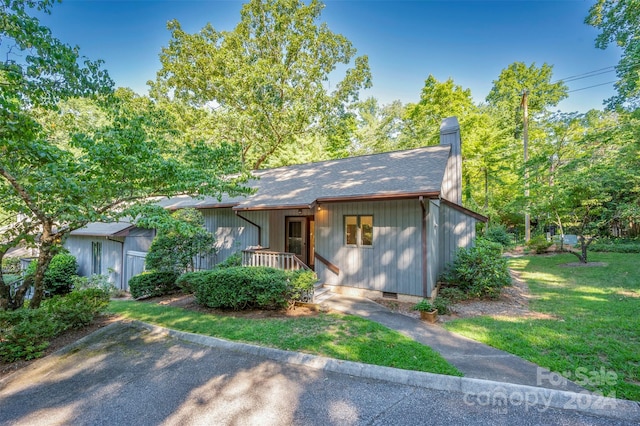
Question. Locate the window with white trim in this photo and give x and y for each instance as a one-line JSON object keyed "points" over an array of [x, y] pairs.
{"points": [[358, 230]]}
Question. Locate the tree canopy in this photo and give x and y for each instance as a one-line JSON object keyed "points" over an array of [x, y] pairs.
{"points": [[269, 79], [619, 23]]}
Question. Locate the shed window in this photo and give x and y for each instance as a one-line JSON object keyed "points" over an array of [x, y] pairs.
{"points": [[358, 230], [96, 257]]}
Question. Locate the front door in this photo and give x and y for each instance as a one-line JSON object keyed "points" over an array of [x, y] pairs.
{"points": [[296, 237]]}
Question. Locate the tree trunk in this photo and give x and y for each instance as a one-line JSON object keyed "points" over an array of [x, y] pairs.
{"points": [[44, 258]]}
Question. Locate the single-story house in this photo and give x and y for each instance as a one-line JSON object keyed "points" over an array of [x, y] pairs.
{"points": [[381, 224]]}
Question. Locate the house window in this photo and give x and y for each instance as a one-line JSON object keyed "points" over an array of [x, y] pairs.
{"points": [[96, 257], [358, 230]]}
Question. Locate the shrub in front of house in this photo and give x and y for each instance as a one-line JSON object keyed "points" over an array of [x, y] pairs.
{"points": [[153, 283], [25, 333], [240, 287], [301, 283], [479, 271], [59, 276], [234, 260]]}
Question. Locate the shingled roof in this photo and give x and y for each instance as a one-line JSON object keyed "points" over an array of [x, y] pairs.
{"points": [[397, 174]]}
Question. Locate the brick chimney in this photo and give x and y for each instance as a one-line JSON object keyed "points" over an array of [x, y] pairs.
{"points": [[452, 181]]}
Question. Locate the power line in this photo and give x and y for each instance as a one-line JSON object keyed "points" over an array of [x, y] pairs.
{"points": [[590, 87], [587, 74]]}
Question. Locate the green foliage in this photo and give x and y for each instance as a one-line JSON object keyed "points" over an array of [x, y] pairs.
{"points": [[268, 74], [234, 260], [619, 23], [423, 306], [77, 308], [539, 244], [616, 245], [100, 282], [152, 284], [241, 288], [441, 304], [301, 282], [498, 234], [480, 271], [11, 265], [60, 275], [180, 243], [25, 333], [437, 102], [452, 294]]}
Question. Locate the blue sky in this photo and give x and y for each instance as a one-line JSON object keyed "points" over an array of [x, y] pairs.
{"points": [[469, 41]]}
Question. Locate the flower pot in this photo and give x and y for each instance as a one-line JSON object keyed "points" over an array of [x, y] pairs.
{"points": [[430, 317]]}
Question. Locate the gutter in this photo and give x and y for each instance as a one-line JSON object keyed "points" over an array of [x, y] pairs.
{"points": [[425, 281], [254, 224]]}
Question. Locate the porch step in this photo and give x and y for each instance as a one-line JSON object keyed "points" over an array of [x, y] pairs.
{"points": [[321, 293]]}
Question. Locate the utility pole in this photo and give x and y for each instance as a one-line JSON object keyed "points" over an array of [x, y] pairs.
{"points": [[525, 134]]}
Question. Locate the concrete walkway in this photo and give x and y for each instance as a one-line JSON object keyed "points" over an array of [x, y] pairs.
{"points": [[472, 358]]}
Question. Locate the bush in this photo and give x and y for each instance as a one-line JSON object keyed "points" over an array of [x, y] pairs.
{"points": [[441, 304], [24, 333], [153, 283], [498, 234], [300, 284], [240, 288], [539, 244], [234, 260], [452, 294], [480, 271], [616, 245], [60, 274], [11, 265], [77, 308], [191, 280], [101, 282]]}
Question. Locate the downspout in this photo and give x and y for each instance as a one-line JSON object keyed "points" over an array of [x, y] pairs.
{"points": [[122, 266], [254, 224], [425, 280]]}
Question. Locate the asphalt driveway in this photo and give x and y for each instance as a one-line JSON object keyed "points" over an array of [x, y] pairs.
{"points": [[128, 374]]}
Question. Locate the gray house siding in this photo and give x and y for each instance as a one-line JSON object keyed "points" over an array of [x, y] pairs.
{"points": [[434, 253], [81, 247], [457, 230], [392, 264], [232, 233]]}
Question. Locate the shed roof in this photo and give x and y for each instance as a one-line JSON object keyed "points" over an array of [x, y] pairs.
{"points": [[99, 229], [395, 174]]}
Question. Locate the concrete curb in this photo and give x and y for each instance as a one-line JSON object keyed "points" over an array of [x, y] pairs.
{"points": [[495, 395]]}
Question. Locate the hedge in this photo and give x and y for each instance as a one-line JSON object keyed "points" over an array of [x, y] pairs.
{"points": [[240, 287], [153, 283]]}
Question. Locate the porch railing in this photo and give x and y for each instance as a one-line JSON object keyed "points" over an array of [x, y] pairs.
{"points": [[273, 259]]}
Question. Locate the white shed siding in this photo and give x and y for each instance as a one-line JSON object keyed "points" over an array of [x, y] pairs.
{"points": [[80, 247], [392, 264]]}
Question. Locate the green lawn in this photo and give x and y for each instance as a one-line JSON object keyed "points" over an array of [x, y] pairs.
{"points": [[595, 336], [333, 335]]}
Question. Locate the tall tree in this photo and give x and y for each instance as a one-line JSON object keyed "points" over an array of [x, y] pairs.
{"points": [[268, 78], [619, 23], [438, 100], [98, 168]]}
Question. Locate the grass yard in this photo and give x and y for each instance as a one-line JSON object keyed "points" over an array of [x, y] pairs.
{"points": [[594, 338], [333, 335]]}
